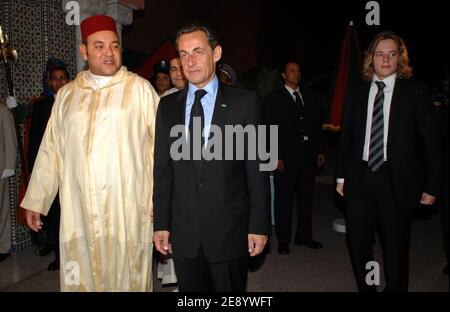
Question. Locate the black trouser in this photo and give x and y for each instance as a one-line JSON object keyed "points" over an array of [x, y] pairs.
{"points": [[296, 182], [444, 208], [374, 207], [200, 275]]}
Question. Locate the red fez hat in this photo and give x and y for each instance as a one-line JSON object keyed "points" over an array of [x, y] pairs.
{"points": [[96, 23]]}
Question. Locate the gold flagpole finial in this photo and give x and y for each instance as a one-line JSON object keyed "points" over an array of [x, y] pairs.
{"points": [[7, 53]]}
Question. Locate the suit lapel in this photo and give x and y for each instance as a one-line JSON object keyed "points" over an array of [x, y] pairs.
{"points": [[395, 110]]}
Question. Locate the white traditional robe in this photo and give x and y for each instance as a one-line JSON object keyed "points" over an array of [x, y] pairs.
{"points": [[98, 150]]}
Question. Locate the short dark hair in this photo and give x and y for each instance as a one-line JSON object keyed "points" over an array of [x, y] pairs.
{"points": [[289, 61], [61, 68], [195, 26]]}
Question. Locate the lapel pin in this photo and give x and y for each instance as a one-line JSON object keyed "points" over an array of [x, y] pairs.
{"points": [[224, 105]]}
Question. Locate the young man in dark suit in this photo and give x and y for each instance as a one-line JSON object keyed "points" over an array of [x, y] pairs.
{"points": [[389, 161], [211, 213], [297, 115]]}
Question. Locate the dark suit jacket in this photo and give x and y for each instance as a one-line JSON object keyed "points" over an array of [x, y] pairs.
{"points": [[228, 200], [281, 110], [42, 110], [39, 119], [414, 156]]}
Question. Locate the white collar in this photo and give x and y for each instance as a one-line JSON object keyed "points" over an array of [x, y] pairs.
{"points": [[97, 81], [291, 91], [389, 81]]}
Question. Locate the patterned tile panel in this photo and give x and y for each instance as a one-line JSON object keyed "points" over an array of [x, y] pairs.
{"points": [[37, 30]]}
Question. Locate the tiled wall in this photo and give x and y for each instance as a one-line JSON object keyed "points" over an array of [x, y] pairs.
{"points": [[37, 30]]}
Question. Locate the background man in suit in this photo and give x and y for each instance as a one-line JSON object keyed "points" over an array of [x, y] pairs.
{"points": [[58, 77], [297, 116], [389, 160], [166, 267], [214, 212]]}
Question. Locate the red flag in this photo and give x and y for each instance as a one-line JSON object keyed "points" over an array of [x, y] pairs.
{"points": [[348, 70], [166, 52]]}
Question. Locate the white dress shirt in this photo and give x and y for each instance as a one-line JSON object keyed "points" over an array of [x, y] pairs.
{"points": [[388, 90], [291, 91]]}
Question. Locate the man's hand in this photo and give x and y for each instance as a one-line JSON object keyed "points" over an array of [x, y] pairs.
{"points": [[256, 244], [161, 241], [427, 199], [280, 165], [340, 189], [33, 220], [320, 160]]}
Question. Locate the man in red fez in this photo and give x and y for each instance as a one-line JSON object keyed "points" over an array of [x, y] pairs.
{"points": [[97, 151]]}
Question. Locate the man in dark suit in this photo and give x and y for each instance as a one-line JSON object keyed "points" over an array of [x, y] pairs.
{"points": [[297, 116], [211, 213], [389, 161]]}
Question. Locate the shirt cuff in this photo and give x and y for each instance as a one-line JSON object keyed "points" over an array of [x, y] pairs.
{"points": [[340, 180]]}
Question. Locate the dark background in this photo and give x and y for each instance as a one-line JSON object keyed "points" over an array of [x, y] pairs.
{"points": [[257, 33]]}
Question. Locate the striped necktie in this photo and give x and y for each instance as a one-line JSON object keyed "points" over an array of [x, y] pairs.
{"points": [[376, 147]]}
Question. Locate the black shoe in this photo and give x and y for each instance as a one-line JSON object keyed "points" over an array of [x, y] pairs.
{"points": [[309, 243], [283, 249], [53, 266], [445, 271], [46, 250], [4, 256]]}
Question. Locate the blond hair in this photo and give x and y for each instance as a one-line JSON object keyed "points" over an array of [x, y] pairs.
{"points": [[403, 68]]}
